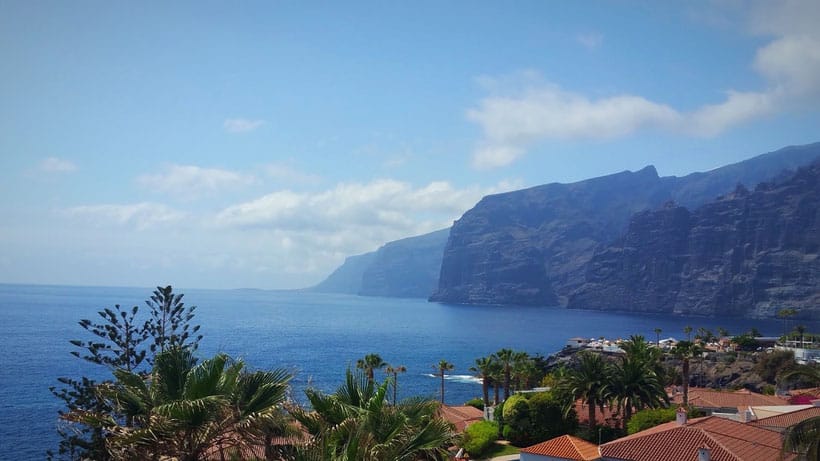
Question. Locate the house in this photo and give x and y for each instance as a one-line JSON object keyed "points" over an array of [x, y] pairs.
{"points": [[701, 439], [729, 404], [563, 448], [460, 416], [784, 421]]}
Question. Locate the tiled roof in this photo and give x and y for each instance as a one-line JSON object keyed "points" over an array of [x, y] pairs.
{"points": [[727, 440], [565, 447], [461, 416], [742, 399], [786, 420]]}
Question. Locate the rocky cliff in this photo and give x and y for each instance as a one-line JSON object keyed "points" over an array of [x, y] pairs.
{"points": [[745, 254], [532, 246], [406, 268], [347, 278]]}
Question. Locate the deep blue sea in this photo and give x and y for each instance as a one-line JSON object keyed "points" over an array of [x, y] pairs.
{"points": [[314, 335]]}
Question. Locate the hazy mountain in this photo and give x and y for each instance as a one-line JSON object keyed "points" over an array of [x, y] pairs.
{"points": [[406, 268]]}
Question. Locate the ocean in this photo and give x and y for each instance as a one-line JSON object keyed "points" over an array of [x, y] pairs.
{"points": [[316, 336]]}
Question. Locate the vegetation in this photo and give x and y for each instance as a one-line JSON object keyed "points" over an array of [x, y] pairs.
{"points": [[184, 410], [479, 438], [769, 366], [391, 370], [804, 439], [589, 382], [483, 369], [475, 403], [356, 423], [369, 364], [636, 381], [534, 418], [443, 366], [685, 351], [648, 418], [120, 341]]}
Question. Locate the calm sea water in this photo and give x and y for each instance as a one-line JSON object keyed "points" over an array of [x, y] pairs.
{"points": [[315, 335]]}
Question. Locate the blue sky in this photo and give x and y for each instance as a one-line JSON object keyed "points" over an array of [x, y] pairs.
{"points": [[256, 144]]}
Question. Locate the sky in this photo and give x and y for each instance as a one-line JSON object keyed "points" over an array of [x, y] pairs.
{"points": [[257, 144]]}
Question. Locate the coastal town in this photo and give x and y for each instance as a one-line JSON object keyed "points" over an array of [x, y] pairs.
{"points": [[702, 423]]}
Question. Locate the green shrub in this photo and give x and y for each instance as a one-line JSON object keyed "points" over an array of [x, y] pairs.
{"points": [[479, 437], [476, 403], [645, 419], [547, 419]]}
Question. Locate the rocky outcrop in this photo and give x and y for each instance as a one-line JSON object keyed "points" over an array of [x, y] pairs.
{"points": [[532, 246], [746, 254]]}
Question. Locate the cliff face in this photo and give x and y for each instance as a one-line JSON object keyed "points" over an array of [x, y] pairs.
{"points": [[746, 254], [406, 268], [528, 247], [532, 246], [347, 278]]}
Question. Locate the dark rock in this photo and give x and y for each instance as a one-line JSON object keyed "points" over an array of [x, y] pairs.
{"points": [[747, 254], [533, 246], [406, 268]]}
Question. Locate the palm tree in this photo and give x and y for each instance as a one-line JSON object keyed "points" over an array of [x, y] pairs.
{"points": [[443, 366], [687, 330], [506, 358], [722, 332], [183, 410], [590, 382], [395, 372], [369, 363], [808, 373], [785, 314], [523, 369], [801, 330], [483, 369], [685, 350], [635, 385], [658, 336], [356, 423], [804, 439]]}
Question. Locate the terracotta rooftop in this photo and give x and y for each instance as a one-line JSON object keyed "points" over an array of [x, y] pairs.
{"points": [[787, 420], [566, 447], [742, 399], [727, 440], [461, 416]]}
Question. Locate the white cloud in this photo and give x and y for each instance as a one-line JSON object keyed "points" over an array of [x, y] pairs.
{"points": [[190, 181], [353, 217], [140, 216], [590, 40], [57, 165], [241, 125], [513, 119]]}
